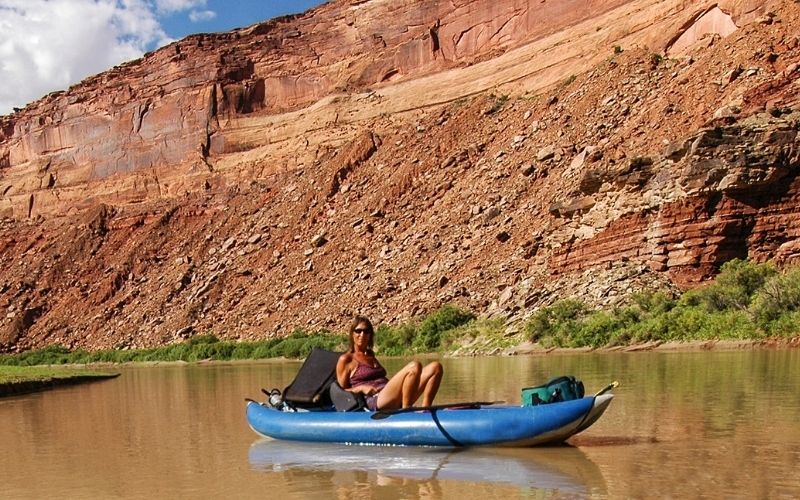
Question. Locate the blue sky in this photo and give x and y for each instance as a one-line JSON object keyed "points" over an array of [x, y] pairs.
{"points": [[48, 45], [230, 14]]}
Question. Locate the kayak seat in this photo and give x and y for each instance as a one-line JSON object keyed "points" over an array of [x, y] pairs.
{"points": [[345, 400], [310, 387]]}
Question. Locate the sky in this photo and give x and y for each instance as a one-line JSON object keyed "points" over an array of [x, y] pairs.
{"points": [[48, 45]]}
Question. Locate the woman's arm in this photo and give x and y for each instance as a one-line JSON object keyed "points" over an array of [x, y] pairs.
{"points": [[364, 389], [343, 370]]}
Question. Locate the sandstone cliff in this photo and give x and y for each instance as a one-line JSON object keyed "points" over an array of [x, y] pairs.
{"points": [[386, 157]]}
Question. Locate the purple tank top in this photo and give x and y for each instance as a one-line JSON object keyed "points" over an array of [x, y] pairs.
{"points": [[368, 375]]}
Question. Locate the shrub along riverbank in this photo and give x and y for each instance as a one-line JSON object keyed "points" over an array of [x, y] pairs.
{"points": [[426, 335], [747, 301]]}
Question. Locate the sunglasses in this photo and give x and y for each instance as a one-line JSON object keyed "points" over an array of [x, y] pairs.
{"points": [[361, 330]]}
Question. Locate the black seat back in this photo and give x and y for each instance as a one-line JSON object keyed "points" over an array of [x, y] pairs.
{"points": [[310, 386]]}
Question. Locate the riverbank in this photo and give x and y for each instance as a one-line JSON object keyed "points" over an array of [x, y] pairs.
{"points": [[748, 305], [16, 380], [528, 348]]}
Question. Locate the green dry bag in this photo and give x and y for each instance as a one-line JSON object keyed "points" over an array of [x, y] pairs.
{"points": [[562, 388]]}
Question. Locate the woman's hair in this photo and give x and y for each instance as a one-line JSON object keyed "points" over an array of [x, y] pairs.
{"points": [[361, 320]]}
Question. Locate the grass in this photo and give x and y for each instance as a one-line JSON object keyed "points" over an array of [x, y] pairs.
{"points": [[17, 374], [498, 102], [16, 380]]}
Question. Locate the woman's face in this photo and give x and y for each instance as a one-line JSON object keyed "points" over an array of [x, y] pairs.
{"points": [[362, 337]]}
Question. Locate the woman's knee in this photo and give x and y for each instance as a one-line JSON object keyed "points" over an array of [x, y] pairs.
{"points": [[435, 368], [413, 368]]}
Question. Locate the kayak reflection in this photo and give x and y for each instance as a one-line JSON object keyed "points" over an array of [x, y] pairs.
{"points": [[563, 468]]}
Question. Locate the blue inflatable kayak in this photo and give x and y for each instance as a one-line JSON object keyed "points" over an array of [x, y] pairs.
{"points": [[500, 425]]}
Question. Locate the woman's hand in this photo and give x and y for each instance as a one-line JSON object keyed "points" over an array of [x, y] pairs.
{"points": [[366, 390]]}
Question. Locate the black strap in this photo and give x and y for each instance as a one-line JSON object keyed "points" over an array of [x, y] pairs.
{"points": [[444, 432]]}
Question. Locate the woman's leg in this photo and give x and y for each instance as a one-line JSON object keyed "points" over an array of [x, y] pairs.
{"points": [[429, 382], [402, 389], [411, 382]]}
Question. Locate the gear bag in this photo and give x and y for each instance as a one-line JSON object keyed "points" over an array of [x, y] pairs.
{"points": [[346, 400], [562, 388]]}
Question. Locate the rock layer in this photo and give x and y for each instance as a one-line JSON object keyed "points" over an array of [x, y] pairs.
{"points": [[158, 126], [719, 191]]}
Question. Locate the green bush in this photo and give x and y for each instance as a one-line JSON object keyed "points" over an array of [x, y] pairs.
{"points": [[687, 323], [786, 325], [489, 329], [732, 324], [653, 302], [397, 340], [552, 322], [429, 333], [649, 329], [420, 336], [243, 350], [735, 286], [747, 300], [211, 350], [261, 351], [52, 355], [779, 296], [297, 345], [596, 330], [744, 276], [291, 348]]}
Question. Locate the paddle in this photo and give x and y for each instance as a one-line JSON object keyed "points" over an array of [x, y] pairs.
{"points": [[607, 388], [381, 414]]}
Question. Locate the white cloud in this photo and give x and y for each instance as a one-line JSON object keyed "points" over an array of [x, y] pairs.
{"points": [[168, 6], [197, 16], [48, 45]]}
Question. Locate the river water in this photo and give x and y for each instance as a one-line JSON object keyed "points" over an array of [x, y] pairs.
{"points": [[682, 425]]}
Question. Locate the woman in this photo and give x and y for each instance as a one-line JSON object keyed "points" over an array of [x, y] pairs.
{"points": [[359, 371]]}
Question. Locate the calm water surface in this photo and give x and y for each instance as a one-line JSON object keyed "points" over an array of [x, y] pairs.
{"points": [[683, 425]]}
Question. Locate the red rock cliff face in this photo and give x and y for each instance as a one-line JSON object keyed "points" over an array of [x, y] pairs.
{"points": [[169, 110], [736, 189], [389, 157], [167, 117]]}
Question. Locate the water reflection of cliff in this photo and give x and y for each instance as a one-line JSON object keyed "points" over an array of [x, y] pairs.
{"points": [[564, 469]]}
